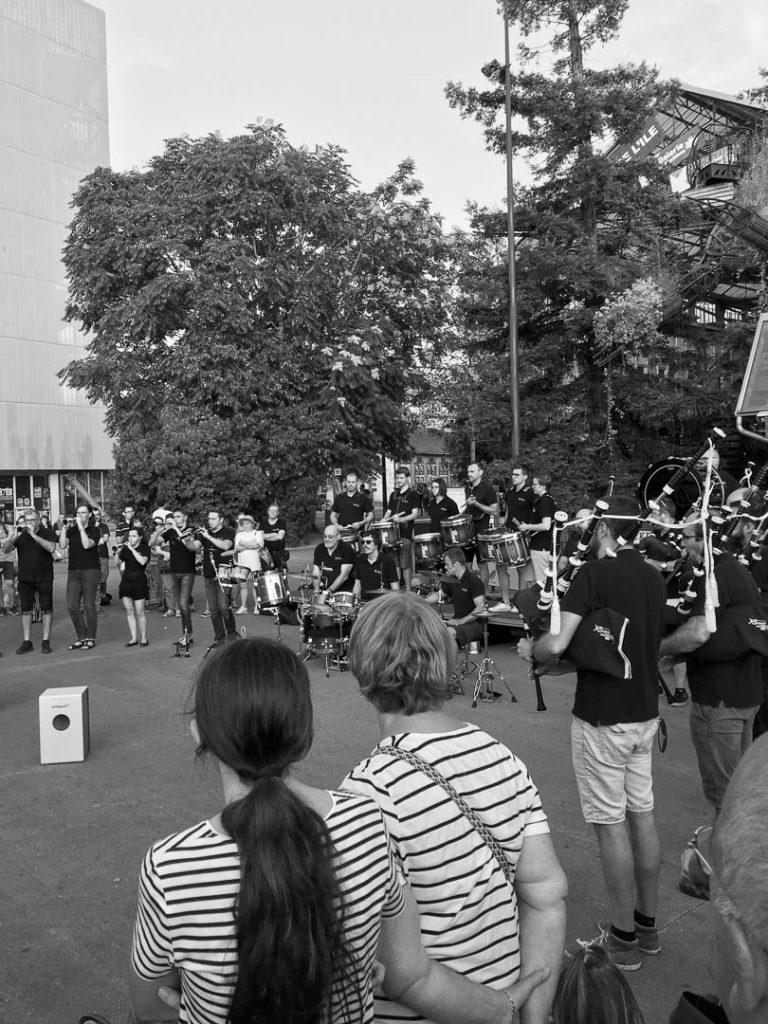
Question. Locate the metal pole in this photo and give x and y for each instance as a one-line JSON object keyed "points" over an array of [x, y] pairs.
{"points": [[514, 380]]}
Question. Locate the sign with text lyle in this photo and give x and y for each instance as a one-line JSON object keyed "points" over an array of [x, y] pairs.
{"points": [[754, 391], [648, 138]]}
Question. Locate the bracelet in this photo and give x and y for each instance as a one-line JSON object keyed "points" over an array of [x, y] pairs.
{"points": [[512, 1005]]}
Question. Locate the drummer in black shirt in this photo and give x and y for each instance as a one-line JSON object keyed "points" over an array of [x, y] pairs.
{"points": [[519, 500], [333, 562], [352, 507], [374, 570], [482, 503], [440, 506], [467, 592], [403, 508]]}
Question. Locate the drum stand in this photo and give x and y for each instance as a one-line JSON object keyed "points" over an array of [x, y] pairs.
{"points": [[487, 673], [338, 659], [181, 646], [274, 610]]}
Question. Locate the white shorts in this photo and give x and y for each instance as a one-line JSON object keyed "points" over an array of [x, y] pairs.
{"points": [[612, 764]]}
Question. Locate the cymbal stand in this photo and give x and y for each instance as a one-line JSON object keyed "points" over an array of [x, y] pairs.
{"points": [[487, 673]]}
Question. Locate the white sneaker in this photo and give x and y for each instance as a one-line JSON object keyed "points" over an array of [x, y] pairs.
{"points": [[242, 611], [501, 607]]}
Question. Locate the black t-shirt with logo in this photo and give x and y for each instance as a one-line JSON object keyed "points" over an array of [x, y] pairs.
{"points": [[352, 508], [486, 495], [519, 506], [35, 563], [544, 508], [630, 587], [441, 509], [80, 558], [376, 576], [403, 503], [182, 560], [330, 562], [212, 554], [463, 593]]}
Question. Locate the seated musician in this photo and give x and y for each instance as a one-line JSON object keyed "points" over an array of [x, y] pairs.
{"points": [[332, 563], [440, 506], [375, 570], [467, 593]]}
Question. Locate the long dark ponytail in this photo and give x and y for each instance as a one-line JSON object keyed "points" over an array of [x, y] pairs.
{"points": [[254, 714]]}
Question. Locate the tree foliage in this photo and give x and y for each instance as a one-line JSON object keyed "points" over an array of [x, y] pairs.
{"points": [[255, 317], [588, 230]]}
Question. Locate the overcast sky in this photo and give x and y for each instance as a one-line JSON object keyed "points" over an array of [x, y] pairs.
{"points": [[369, 76]]}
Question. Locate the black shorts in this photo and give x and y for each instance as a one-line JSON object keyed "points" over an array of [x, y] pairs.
{"points": [[27, 593]]}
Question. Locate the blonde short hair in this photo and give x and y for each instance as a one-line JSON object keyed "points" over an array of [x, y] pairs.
{"points": [[402, 654]]}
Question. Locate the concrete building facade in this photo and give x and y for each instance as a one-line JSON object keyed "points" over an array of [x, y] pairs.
{"points": [[54, 130]]}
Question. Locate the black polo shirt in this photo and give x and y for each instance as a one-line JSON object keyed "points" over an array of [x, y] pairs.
{"points": [[403, 503], [212, 554], [377, 575], [441, 508], [35, 563], [627, 585], [330, 562], [519, 505], [182, 560], [736, 683], [352, 508], [463, 593], [486, 495]]}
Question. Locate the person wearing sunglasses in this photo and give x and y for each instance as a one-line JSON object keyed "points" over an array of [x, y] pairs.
{"points": [[375, 570]]}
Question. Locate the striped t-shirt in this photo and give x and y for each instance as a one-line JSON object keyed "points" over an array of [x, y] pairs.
{"points": [[468, 910], [188, 886]]}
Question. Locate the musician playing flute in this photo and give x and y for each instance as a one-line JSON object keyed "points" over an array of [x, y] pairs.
{"points": [[613, 729], [725, 695]]}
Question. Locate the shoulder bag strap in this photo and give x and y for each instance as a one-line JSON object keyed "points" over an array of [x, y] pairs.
{"points": [[479, 826]]}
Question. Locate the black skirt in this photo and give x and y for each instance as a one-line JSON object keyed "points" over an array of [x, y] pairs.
{"points": [[134, 586]]}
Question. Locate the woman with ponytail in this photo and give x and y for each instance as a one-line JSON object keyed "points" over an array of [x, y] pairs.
{"points": [[273, 911]]}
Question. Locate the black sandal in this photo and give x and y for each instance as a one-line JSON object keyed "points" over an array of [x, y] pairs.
{"points": [[78, 645], [89, 644]]}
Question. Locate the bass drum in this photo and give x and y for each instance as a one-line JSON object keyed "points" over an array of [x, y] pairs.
{"points": [[689, 491]]}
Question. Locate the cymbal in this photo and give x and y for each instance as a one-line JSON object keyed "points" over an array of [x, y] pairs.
{"points": [[299, 576], [381, 590]]}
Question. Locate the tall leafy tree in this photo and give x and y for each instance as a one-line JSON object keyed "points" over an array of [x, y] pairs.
{"points": [[255, 317], [588, 230]]}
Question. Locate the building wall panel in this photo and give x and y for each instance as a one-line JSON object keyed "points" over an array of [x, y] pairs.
{"points": [[51, 437]]}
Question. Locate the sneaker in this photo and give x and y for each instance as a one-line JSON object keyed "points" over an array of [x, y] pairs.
{"points": [[679, 698], [45, 647], [25, 647], [169, 615], [648, 938], [624, 955], [178, 614], [205, 615], [242, 611], [185, 640], [501, 607]]}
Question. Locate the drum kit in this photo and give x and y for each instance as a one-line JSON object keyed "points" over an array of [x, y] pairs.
{"points": [[270, 587], [331, 615]]}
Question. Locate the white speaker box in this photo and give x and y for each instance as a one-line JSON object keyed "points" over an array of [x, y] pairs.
{"points": [[65, 733]]}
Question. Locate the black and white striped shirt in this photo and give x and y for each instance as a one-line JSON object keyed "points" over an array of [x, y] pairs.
{"points": [[468, 910], [189, 883]]}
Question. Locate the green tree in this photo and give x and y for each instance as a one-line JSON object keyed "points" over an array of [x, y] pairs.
{"points": [[588, 229], [255, 317]]}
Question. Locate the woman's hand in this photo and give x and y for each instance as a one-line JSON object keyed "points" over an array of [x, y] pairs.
{"points": [[519, 993]]}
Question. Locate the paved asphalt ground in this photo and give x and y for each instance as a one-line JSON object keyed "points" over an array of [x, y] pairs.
{"points": [[72, 835]]}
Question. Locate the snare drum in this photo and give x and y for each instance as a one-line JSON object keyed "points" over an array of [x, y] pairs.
{"points": [[486, 544], [239, 573], [224, 574], [322, 617], [513, 549], [344, 604], [388, 534], [427, 549], [458, 531], [271, 589], [349, 535]]}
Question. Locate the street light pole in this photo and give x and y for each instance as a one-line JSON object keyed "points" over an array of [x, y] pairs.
{"points": [[514, 380]]}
